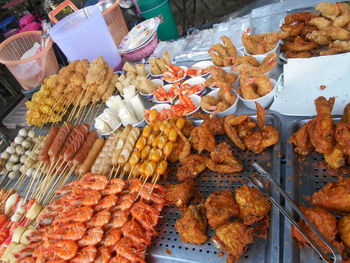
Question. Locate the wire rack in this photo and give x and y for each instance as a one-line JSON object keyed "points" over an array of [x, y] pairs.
{"points": [[304, 178], [167, 246]]}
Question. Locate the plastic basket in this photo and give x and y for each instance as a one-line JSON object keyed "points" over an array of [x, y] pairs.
{"points": [[115, 22], [29, 72]]}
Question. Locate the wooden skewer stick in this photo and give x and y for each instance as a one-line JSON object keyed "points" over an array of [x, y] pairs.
{"points": [[88, 112], [139, 192], [111, 173], [154, 183], [97, 111], [130, 173]]}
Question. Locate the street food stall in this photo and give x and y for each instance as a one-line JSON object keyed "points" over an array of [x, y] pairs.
{"points": [[228, 145]]}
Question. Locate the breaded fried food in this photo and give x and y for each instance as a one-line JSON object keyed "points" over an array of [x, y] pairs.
{"points": [[319, 37], [215, 124], [304, 17], [343, 46], [191, 167], [334, 196], [253, 205], [344, 230], [323, 128], [336, 158], [234, 239], [222, 160], [328, 10], [301, 140], [296, 54], [320, 22], [221, 207], [342, 131], [181, 194], [202, 139], [192, 226], [299, 44], [293, 30], [325, 222]]}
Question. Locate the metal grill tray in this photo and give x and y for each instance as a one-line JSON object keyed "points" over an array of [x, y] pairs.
{"points": [[167, 246], [303, 179]]}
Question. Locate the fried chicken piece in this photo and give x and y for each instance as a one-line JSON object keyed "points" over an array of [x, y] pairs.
{"points": [[334, 196], [192, 227], [319, 38], [299, 44], [342, 131], [304, 17], [187, 129], [222, 160], [253, 205], [293, 30], [266, 136], [325, 222], [344, 230], [221, 207], [202, 139], [97, 71], [215, 124], [322, 128], [336, 33], [331, 51], [336, 158], [342, 46], [328, 10], [181, 194], [234, 239], [301, 140], [320, 22], [191, 167], [237, 127]]}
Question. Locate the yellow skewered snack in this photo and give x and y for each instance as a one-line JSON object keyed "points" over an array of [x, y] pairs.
{"points": [[79, 83]]}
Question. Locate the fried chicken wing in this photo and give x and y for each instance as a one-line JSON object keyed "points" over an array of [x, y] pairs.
{"points": [[191, 167], [222, 160], [322, 129], [344, 230], [202, 139], [336, 158], [301, 140], [221, 207], [253, 205], [193, 224], [181, 194], [234, 239], [334, 196], [325, 222]]}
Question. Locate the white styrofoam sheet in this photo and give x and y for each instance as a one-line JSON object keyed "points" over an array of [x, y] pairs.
{"points": [[302, 81]]}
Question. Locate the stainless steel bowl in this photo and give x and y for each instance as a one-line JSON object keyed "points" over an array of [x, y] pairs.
{"points": [[105, 4]]}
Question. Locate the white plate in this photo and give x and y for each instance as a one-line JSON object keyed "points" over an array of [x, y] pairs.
{"points": [[196, 101], [230, 110], [185, 69]]}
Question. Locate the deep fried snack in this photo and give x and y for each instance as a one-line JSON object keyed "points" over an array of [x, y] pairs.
{"points": [[230, 47], [202, 139], [221, 207], [328, 10], [299, 44], [320, 22], [187, 129], [261, 43], [336, 158], [181, 194], [222, 160], [296, 54], [331, 51], [192, 227], [304, 17], [323, 128], [215, 124], [191, 167], [342, 46], [234, 239], [253, 205], [308, 29], [342, 131], [301, 140], [344, 230], [336, 33], [326, 224], [230, 124], [319, 37], [293, 30], [334, 196]]}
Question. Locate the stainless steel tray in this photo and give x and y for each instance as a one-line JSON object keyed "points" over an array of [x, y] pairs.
{"points": [[302, 180], [167, 246]]}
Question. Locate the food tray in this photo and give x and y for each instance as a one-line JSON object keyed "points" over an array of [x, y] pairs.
{"points": [[302, 180], [167, 246]]}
